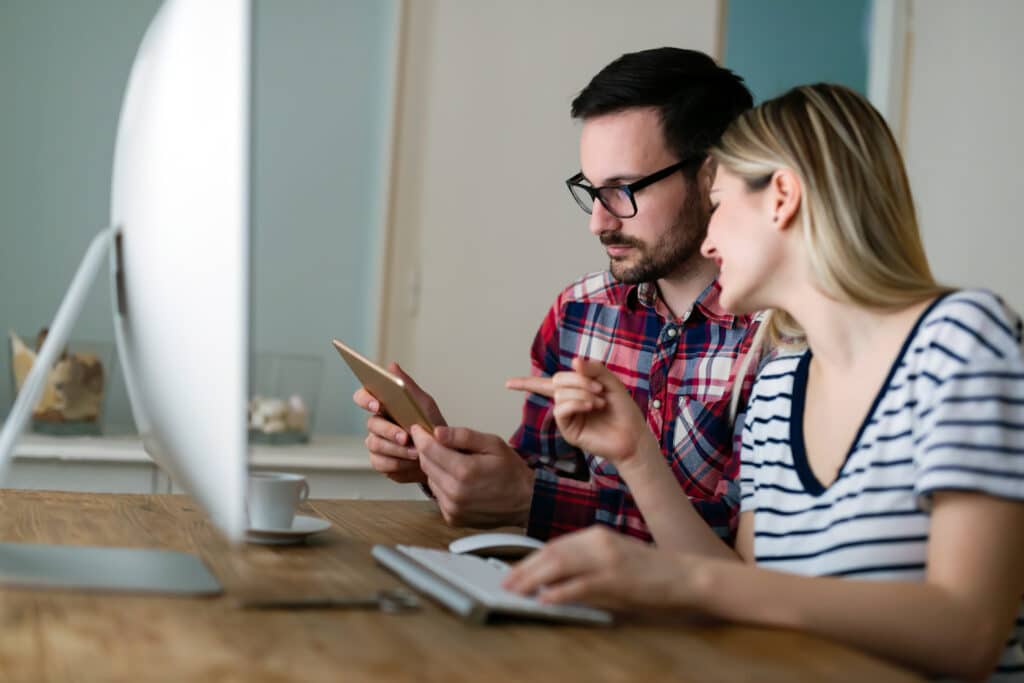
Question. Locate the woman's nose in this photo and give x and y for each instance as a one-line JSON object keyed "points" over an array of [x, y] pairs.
{"points": [[707, 249]]}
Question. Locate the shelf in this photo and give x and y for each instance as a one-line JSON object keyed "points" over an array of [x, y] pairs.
{"points": [[328, 452]]}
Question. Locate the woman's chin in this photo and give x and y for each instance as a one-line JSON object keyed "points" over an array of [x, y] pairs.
{"points": [[736, 302]]}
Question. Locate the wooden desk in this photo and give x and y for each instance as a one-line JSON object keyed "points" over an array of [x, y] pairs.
{"points": [[52, 635]]}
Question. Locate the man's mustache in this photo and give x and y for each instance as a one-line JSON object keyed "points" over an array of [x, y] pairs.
{"points": [[611, 239]]}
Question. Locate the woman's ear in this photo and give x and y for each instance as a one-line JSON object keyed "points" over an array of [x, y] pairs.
{"points": [[785, 193]]}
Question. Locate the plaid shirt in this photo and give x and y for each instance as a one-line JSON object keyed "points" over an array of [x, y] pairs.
{"points": [[679, 371]]}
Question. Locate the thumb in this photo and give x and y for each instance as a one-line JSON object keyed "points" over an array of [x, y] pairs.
{"points": [[597, 371], [432, 450], [590, 368], [409, 382], [468, 440], [422, 440]]}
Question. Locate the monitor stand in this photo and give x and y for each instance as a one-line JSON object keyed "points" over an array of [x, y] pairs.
{"points": [[84, 567], [134, 570]]}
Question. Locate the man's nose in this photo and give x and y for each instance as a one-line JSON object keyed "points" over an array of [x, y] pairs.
{"points": [[601, 220]]}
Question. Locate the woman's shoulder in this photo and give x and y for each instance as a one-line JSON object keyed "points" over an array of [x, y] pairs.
{"points": [[971, 323], [780, 362], [775, 375]]}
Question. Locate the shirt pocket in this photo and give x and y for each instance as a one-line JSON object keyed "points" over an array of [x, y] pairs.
{"points": [[713, 380], [702, 447]]}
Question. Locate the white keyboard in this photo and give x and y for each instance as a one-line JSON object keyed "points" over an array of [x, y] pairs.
{"points": [[477, 579]]}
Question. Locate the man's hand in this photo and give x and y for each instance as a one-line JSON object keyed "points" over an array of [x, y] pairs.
{"points": [[391, 451], [478, 479]]}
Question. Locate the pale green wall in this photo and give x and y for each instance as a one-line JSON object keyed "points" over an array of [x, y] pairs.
{"points": [[321, 90], [777, 44], [322, 83]]}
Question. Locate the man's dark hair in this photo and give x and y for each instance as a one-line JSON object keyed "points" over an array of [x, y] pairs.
{"points": [[697, 99]]}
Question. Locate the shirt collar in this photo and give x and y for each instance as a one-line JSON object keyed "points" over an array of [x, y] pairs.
{"points": [[646, 294]]}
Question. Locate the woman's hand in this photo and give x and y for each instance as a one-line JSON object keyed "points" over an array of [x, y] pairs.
{"points": [[593, 410], [600, 567]]}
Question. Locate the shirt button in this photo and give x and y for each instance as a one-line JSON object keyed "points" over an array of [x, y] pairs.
{"points": [[671, 332], [656, 403]]}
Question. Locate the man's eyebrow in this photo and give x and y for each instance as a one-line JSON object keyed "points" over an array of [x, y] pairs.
{"points": [[624, 179]]}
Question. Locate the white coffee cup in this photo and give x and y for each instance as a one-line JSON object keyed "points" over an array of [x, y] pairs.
{"points": [[274, 497]]}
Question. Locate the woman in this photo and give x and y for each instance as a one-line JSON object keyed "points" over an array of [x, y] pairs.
{"points": [[882, 469]]}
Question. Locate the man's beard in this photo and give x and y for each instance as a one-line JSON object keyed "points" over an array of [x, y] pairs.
{"points": [[672, 252]]}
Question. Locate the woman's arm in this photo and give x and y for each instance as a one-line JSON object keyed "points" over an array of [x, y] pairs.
{"points": [[670, 516], [595, 413], [954, 623]]}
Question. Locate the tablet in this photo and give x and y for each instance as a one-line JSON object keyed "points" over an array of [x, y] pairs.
{"points": [[397, 403]]}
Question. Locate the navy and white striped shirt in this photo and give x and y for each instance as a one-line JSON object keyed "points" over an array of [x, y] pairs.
{"points": [[950, 416]]}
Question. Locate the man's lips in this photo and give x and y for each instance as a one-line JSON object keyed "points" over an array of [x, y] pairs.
{"points": [[617, 246]]}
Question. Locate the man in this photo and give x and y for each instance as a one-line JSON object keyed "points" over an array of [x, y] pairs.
{"points": [[654, 319]]}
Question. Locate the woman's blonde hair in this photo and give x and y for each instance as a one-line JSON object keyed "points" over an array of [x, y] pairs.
{"points": [[856, 212]]}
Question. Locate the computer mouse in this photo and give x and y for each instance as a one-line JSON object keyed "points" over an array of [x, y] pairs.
{"points": [[495, 545]]}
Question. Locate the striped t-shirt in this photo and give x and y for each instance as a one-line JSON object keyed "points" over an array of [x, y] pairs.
{"points": [[950, 416]]}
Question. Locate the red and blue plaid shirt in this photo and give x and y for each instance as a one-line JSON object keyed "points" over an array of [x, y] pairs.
{"points": [[680, 371]]}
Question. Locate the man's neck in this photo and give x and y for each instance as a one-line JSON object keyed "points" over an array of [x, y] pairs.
{"points": [[679, 291]]}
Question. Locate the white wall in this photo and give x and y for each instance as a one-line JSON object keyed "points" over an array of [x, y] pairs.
{"points": [[964, 141], [482, 225]]}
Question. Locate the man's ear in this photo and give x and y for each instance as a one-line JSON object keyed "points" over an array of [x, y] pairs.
{"points": [[786, 193], [706, 176]]}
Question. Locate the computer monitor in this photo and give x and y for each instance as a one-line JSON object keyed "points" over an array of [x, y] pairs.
{"points": [[178, 248], [180, 198]]}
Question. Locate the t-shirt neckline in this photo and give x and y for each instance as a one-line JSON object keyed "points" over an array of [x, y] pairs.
{"points": [[797, 445]]}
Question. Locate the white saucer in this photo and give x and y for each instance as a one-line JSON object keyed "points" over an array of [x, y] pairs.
{"points": [[302, 527]]}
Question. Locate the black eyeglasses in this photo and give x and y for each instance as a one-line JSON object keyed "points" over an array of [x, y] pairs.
{"points": [[619, 200]]}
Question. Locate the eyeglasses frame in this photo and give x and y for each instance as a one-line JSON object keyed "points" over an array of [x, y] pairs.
{"points": [[630, 189]]}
